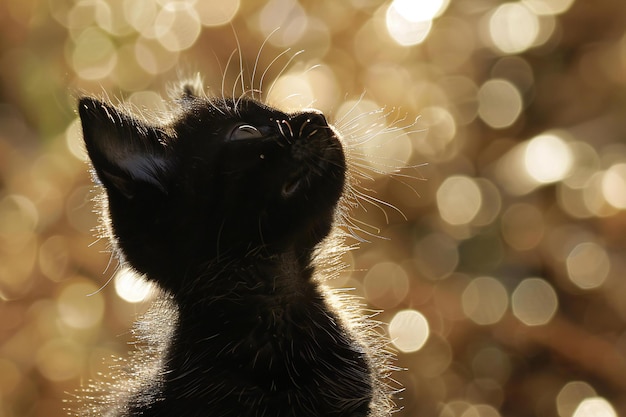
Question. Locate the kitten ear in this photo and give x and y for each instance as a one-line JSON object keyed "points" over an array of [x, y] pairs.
{"points": [[126, 153]]}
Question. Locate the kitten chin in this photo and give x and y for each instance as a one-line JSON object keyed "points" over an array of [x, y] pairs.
{"points": [[230, 208]]}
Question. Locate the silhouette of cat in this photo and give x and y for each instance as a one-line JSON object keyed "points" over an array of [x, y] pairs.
{"points": [[229, 207]]}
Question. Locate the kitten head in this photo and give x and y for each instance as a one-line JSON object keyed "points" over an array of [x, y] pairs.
{"points": [[224, 178]]}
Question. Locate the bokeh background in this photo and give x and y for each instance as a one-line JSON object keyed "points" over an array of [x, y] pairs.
{"points": [[494, 131]]}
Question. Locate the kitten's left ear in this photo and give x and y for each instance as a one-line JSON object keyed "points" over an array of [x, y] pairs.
{"points": [[126, 153]]}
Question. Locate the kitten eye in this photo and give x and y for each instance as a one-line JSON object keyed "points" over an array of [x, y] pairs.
{"points": [[245, 132]]}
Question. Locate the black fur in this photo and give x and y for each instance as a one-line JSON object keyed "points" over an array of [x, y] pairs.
{"points": [[225, 207]]}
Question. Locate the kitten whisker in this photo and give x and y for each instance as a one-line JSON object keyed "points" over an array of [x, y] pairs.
{"points": [[256, 62], [289, 127], [354, 106], [224, 76], [282, 71], [306, 122], [268, 68]]}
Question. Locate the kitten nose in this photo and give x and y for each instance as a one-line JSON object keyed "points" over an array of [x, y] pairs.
{"points": [[312, 118]]}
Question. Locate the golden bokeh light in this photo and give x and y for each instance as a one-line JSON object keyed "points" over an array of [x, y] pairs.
{"points": [[80, 305], [459, 199], [419, 11], [177, 26], [571, 395], [217, 12], [548, 158], [513, 28], [614, 185], [94, 56], [485, 300], [486, 139], [595, 407], [588, 265], [534, 302], [405, 31], [409, 330], [386, 285], [131, 287], [499, 103], [548, 7]]}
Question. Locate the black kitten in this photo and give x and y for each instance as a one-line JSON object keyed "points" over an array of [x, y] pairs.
{"points": [[227, 207]]}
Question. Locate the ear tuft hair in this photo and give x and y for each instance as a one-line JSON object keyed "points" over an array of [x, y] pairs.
{"points": [[191, 89]]}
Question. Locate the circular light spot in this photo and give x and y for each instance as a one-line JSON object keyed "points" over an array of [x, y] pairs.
{"points": [[458, 200], [548, 7], [289, 16], [291, 92], [141, 15], [420, 11], [588, 265], [386, 284], [60, 359], [534, 302], [409, 330], [132, 287], [571, 395], [491, 203], [548, 158], [440, 129], [217, 12], [485, 300], [94, 55], [499, 103], [404, 31], [74, 140], [513, 28], [177, 26], [80, 305], [614, 186], [595, 407], [153, 58], [481, 410]]}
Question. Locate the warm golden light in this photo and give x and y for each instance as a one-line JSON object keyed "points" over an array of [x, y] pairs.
{"points": [[404, 31], [595, 407], [548, 158], [548, 7], [458, 199], [571, 395], [513, 28], [495, 127], [614, 185], [588, 265], [534, 302], [420, 11], [409, 330], [499, 103], [81, 305], [386, 284], [485, 300], [131, 287]]}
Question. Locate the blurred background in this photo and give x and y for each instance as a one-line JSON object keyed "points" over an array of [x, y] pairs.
{"points": [[496, 130]]}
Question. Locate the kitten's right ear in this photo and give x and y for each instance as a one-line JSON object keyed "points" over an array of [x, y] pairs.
{"points": [[126, 153]]}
